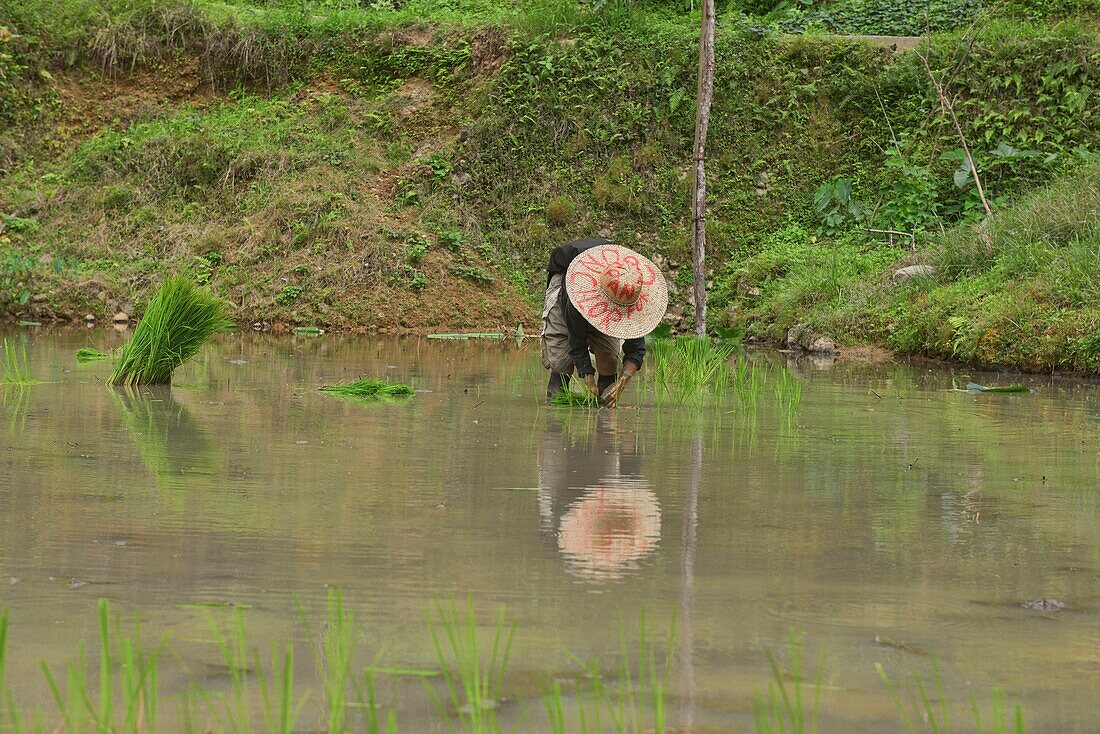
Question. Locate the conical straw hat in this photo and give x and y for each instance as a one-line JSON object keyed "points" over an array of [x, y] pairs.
{"points": [[621, 293]]}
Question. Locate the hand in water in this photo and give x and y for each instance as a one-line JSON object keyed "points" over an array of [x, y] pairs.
{"points": [[590, 381], [614, 391]]}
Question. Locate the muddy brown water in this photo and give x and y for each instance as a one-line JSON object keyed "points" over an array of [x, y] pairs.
{"points": [[892, 529]]}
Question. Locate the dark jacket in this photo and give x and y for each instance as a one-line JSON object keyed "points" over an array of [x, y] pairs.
{"points": [[579, 328]]}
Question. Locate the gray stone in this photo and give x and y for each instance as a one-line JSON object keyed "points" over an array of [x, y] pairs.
{"points": [[1044, 605], [90, 317], [121, 317], [904, 275], [804, 338]]}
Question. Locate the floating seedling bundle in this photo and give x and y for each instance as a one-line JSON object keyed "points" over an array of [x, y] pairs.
{"points": [[86, 354], [370, 389], [181, 318]]}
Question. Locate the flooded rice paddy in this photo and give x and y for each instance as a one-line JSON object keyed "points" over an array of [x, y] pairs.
{"points": [[880, 516]]}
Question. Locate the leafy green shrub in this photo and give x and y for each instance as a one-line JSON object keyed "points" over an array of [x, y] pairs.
{"points": [[910, 199], [884, 17], [440, 167], [452, 240], [288, 295], [16, 270], [418, 247], [202, 270], [18, 225], [1038, 10], [471, 272], [833, 200]]}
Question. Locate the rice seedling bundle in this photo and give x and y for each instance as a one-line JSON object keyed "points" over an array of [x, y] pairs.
{"points": [[571, 398], [575, 395], [180, 320], [370, 389]]}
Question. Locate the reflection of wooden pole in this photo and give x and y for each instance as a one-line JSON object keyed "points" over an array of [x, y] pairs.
{"points": [[687, 589], [704, 95]]}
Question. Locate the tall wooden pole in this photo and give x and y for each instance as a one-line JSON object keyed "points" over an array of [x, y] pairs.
{"points": [[704, 95]]}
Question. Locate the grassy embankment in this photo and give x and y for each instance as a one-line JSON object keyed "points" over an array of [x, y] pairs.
{"points": [[411, 168], [1022, 291]]}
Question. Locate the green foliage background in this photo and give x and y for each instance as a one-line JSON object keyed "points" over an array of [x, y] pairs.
{"points": [[571, 119]]}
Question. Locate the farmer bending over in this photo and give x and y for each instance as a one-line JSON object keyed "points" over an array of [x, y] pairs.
{"points": [[604, 297]]}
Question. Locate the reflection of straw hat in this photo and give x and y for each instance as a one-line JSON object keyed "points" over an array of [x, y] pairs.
{"points": [[618, 291], [608, 530]]}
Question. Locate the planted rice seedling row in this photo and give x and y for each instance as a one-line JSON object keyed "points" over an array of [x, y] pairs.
{"points": [[694, 369], [14, 369], [86, 354], [262, 692]]}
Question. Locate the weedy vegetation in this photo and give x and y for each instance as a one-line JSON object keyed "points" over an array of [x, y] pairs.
{"points": [[339, 95], [180, 319]]}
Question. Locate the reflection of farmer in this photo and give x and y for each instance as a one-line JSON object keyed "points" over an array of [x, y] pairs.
{"points": [[602, 297], [593, 501]]}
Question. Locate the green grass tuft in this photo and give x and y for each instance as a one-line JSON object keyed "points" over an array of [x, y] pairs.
{"points": [[370, 389], [85, 355], [180, 320]]}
